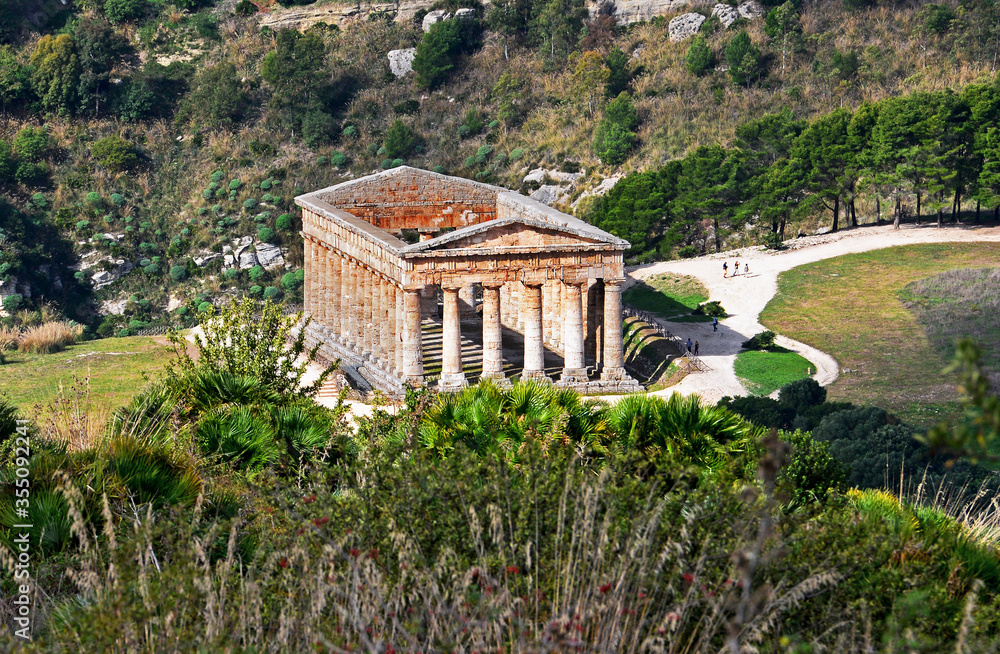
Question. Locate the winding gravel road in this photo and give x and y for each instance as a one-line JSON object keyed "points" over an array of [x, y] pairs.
{"points": [[745, 296]]}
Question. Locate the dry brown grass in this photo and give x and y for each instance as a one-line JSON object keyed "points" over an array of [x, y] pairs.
{"points": [[9, 336], [48, 337]]}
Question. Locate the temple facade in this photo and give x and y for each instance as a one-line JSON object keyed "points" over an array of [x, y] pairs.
{"points": [[475, 256]]}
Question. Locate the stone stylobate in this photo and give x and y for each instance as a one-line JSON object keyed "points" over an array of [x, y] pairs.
{"points": [[552, 277]]}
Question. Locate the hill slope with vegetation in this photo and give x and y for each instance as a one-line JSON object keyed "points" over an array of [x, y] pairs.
{"points": [[142, 142]]}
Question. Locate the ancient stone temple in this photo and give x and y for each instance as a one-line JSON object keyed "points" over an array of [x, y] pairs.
{"points": [[406, 252]]}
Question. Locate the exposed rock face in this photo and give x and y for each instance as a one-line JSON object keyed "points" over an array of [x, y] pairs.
{"points": [[751, 10], [105, 277], [401, 61], [727, 15], [685, 26], [204, 258], [606, 185], [269, 256], [549, 194], [435, 16], [539, 175], [633, 11]]}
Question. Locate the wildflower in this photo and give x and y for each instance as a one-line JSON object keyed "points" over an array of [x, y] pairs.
{"points": [[513, 570], [283, 562], [319, 522], [688, 578], [355, 552], [310, 499], [605, 588]]}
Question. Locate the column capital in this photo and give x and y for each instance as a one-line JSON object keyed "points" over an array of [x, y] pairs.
{"points": [[493, 285]]}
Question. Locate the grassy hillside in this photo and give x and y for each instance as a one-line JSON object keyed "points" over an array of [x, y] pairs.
{"points": [[143, 137]]}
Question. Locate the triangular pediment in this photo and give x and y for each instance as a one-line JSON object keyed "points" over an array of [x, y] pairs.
{"points": [[509, 234]]}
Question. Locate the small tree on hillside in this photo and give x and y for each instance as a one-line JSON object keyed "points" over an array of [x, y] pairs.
{"points": [[399, 140], [248, 337], [743, 58], [699, 56]]}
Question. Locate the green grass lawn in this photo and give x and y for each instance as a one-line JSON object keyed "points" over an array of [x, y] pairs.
{"points": [[114, 367], [669, 296], [763, 372], [850, 307]]}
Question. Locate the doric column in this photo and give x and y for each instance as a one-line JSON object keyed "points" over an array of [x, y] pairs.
{"points": [[377, 323], [397, 328], [574, 369], [492, 334], [308, 270], [548, 319], [356, 308], [333, 297], [595, 312], [452, 376], [413, 356], [347, 333], [614, 365], [386, 330], [367, 314], [534, 349], [557, 310], [467, 302], [320, 307]]}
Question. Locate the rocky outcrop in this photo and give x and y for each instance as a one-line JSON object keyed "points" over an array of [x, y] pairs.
{"points": [[726, 13], [684, 26], [203, 258], [433, 17], [634, 11], [751, 10], [106, 277], [401, 61], [269, 256], [541, 174]]}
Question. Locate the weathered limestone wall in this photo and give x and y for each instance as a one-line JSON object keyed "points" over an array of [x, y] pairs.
{"points": [[412, 199]]}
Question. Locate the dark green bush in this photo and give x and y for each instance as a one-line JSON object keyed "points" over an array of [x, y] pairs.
{"points": [[272, 292], [802, 394], [265, 234], [178, 273], [712, 309], [761, 341]]}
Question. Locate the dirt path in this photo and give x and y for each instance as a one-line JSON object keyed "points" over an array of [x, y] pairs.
{"points": [[745, 296]]}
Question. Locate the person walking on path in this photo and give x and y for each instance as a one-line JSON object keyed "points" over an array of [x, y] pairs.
{"points": [[736, 268], [696, 348], [746, 270], [725, 269], [689, 346], [715, 324]]}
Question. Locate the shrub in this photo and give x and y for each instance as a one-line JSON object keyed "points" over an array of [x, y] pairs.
{"points": [[235, 184], [396, 163], [256, 273], [12, 302], [399, 140], [516, 154], [178, 273], [114, 153], [245, 8], [48, 337], [216, 176], [249, 203], [284, 222], [181, 311], [95, 199], [441, 170], [699, 56], [761, 411], [289, 281], [39, 200], [386, 164], [231, 273], [743, 58], [82, 225], [761, 341], [712, 309], [271, 292], [207, 194], [255, 290], [317, 127], [117, 199], [802, 394], [121, 11], [322, 161], [338, 159], [31, 144], [152, 269], [265, 234]]}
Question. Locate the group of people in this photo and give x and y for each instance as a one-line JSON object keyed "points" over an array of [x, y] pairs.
{"points": [[736, 268], [696, 347]]}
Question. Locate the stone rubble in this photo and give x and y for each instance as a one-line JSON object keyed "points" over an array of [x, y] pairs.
{"points": [[684, 26]]}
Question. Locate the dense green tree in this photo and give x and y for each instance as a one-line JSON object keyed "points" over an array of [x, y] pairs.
{"points": [[56, 73], [440, 49], [822, 159], [782, 24], [619, 72], [15, 80], [710, 190], [511, 20], [294, 72], [743, 59], [217, 98], [123, 11], [98, 48], [639, 209], [615, 135], [114, 153], [556, 25], [698, 57], [399, 140]]}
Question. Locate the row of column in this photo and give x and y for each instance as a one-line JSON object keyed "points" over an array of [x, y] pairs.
{"points": [[532, 320], [355, 306], [379, 320]]}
